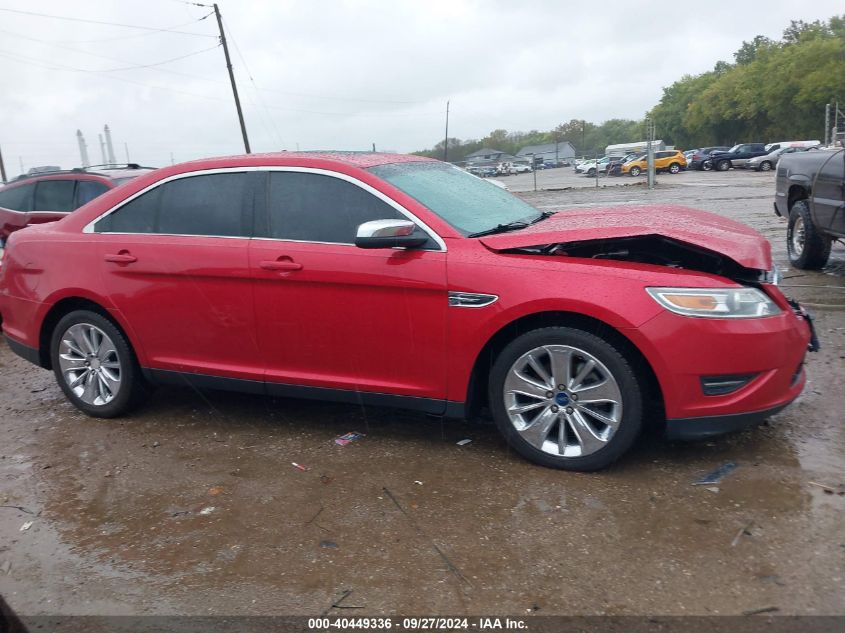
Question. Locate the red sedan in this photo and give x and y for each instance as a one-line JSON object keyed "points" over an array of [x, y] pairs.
{"points": [[403, 281]]}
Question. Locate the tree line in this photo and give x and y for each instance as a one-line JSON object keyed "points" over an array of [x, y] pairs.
{"points": [[773, 90]]}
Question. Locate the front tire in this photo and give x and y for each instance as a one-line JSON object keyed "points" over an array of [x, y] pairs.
{"points": [[565, 398], [722, 165], [707, 165], [95, 365], [765, 166], [808, 249], [591, 173], [635, 171]]}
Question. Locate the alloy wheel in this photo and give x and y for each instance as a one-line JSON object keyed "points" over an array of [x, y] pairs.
{"points": [[798, 237], [90, 364], [563, 400]]}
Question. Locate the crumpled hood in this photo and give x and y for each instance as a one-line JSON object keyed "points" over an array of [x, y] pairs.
{"points": [[698, 228]]}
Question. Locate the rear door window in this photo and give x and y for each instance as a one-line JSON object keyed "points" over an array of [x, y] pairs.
{"points": [[17, 198], [54, 195], [214, 205]]}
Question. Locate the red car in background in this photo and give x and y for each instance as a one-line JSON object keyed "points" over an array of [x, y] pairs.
{"points": [[48, 196], [403, 281]]}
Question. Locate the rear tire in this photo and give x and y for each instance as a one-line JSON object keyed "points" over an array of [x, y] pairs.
{"points": [[674, 168], [808, 249], [634, 171], [589, 423], [706, 165], [591, 173], [95, 366]]}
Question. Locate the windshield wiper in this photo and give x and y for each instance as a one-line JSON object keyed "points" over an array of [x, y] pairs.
{"points": [[513, 226], [501, 228], [543, 216]]}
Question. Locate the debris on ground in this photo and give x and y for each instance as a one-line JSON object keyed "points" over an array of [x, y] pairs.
{"points": [[345, 439], [5, 568], [215, 490], [21, 508], [300, 467], [208, 510], [418, 482], [463, 442], [828, 490], [713, 489], [743, 531], [336, 604], [717, 475], [156, 444], [328, 544], [761, 610], [26, 526], [325, 479]]}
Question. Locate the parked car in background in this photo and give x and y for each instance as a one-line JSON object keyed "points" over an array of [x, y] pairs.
{"points": [[614, 168], [736, 156], [799, 144], [591, 167], [767, 162], [810, 193], [49, 195], [701, 157], [520, 168], [672, 161], [570, 328]]}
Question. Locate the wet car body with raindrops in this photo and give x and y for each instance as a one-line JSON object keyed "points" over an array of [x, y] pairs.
{"points": [[406, 282]]}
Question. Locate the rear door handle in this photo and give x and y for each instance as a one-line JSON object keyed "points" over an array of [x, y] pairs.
{"points": [[121, 258], [281, 265]]}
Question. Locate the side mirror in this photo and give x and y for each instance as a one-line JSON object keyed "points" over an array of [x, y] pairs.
{"points": [[388, 234]]}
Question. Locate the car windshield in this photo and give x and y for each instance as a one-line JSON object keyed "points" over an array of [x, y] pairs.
{"points": [[734, 148], [466, 202]]}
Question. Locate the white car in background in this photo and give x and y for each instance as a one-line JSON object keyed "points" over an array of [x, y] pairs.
{"points": [[521, 168]]}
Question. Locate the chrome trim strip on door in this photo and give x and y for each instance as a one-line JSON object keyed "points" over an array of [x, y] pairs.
{"points": [[89, 228]]}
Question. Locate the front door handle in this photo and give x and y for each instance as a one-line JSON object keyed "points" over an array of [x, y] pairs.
{"points": [[121, 258], [285, 264]]}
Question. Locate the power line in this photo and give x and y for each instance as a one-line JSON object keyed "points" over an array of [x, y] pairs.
{"points": [[166, 61], [51, 65], [101, 22], [169, 29]]}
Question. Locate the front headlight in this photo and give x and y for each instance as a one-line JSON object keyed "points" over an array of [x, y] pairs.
{"points": [[721, 303]]}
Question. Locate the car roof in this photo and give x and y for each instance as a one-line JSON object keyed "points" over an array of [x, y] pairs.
{"points": [[129, 170], [361, 160]]}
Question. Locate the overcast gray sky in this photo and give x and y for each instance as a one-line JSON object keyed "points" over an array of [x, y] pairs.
{"points": [[343, 74]]}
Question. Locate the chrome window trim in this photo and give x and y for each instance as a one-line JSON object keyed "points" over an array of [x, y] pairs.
{"points": [[89, 228]]}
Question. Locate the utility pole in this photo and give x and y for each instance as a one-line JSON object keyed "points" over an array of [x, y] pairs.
{"points": [[826, 124], [102, 148], [232, 77], [2, 169], [650, 135], [126, 147], [446, 140]]}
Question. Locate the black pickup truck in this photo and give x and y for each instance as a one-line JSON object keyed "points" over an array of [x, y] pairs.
{"points": [[737, 156], [810, 193]]}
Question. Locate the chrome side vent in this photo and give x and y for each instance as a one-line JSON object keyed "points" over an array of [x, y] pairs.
{"points": [[470, 299]]}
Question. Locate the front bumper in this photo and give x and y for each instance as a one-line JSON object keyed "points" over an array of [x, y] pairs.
{"points": [[709, 426], [684, 350]]}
